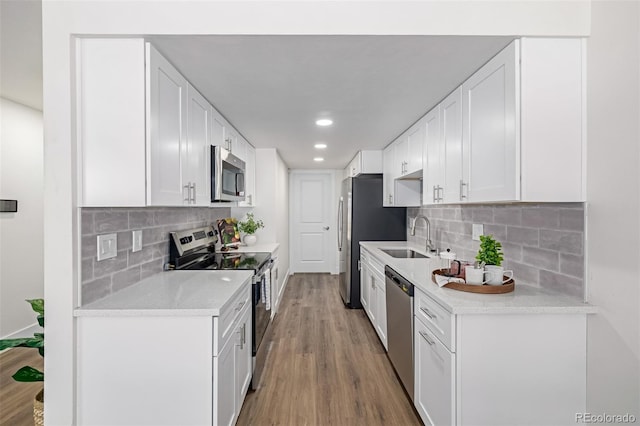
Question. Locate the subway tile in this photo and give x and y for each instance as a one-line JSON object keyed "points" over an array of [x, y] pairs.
{"points": [[110, 221], [89, 246], [512, 252], [95, 290], [523, 236], [541, 217], [142, 256], [151, 268], [124, 240], [541, 258], [463, 228], [86, 271], [499, 232], [572, 265], [109, 266], [86, 224], [170, 217], [522, 273], [572, 219], [466, 213], [154, 235], [562, 241], [507, 215], [142, 219], [124, 279], [562, 283], [482, 215]]}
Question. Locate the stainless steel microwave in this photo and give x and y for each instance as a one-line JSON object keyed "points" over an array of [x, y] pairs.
{"points": [[227, 176]]}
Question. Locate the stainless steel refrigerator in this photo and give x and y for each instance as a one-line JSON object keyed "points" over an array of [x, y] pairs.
{"points": [[361, 217]]}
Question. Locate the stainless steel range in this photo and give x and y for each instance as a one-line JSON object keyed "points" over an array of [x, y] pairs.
{"points": [[194, 249]]}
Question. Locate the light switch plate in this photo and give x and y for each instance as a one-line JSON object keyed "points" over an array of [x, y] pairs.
{"points": [[477, 230], [107, 246], [136, 237]]}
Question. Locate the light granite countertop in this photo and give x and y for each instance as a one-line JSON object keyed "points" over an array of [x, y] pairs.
{"points": [[173, 293], [524, 299]]}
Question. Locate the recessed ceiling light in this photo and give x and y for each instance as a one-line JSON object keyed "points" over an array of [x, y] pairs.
{"points": [[320, 146], [318, 159], [324, 122]]}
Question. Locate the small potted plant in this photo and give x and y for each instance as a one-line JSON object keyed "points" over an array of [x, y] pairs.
{"points": [[490, 256], [249, 228], [26, 373]]}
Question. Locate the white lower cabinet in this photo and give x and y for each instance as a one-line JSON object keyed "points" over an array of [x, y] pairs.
{"points": [[373, 293], [498, 369], [164, 370]]}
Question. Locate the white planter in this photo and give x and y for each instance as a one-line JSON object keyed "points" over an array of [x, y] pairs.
{"points": [[250, 240]]}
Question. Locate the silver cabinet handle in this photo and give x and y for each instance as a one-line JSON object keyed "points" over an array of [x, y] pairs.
{"points": [[462, 185], [187, 188], [434, 194], [326, 228], [427, 313], [440, 193], [390, 199], [240, 305], [193, 197], [424, 336]]}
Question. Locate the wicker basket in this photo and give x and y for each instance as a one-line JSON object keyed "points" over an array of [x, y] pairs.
{"points": [[38, 409]]}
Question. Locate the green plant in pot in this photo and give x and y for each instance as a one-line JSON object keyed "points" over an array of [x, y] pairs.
{"points": [[249, 228], [26, 373], [490, 257]]}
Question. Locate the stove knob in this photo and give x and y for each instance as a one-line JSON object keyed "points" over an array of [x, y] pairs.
{"points": [[210, 234], [190, 238], [184, 240]]}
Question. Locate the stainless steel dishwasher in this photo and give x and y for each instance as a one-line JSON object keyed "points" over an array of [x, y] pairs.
{"points": [[400, 326]]}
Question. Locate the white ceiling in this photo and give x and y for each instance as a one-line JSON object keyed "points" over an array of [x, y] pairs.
{"points": [[21, 51], [273, 88]]}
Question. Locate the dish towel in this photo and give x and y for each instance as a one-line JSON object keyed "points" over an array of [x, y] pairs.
{"points": [[442, 280], [266, 289]]}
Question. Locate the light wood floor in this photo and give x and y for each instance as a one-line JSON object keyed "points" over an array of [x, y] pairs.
{"points": [[16, 399], [326, 365]]}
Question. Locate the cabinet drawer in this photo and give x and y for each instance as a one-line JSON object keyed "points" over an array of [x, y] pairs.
{"points": [[376, 266], [228, 317], [439, 320]]}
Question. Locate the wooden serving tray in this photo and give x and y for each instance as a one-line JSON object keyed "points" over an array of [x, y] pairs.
{"points": [[507, 287]]}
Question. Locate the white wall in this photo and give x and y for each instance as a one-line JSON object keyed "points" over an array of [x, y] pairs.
{"points": [[21, 259], [62, 19], [613, 222]]}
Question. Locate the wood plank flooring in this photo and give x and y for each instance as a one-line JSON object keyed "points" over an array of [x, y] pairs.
{"points": [[16, 399], [326, 365]]}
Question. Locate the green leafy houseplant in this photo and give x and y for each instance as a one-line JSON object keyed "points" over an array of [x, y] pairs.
{"points": [[29, 374], [490, 252], [250, 226]]}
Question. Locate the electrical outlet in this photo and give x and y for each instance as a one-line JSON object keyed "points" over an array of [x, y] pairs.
{"points": [[477, 230], [107, 246], [136, 237]]}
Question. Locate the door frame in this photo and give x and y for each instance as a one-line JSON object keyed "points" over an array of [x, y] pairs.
{"points": [[336, 179]]}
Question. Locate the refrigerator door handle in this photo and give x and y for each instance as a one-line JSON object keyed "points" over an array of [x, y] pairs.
{"points": [[339, 227]]}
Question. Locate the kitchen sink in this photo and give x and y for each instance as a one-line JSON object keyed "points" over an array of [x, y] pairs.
{"points": [[404, 253]]}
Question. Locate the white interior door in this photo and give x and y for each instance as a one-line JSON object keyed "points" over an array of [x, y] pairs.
{"points": [[312, 222]]}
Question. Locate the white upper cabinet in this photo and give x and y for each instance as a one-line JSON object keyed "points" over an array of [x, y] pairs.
{"points": [[453, 190], [490, 129], [167, 132], [523, 119], [367, 161], [388, 176], [433, 174], [198, 162], [415, 146], [249, 177]]}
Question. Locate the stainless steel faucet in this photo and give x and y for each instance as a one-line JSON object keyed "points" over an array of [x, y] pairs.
{"points": [[430, 246]]}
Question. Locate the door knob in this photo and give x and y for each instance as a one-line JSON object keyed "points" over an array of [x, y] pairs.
{"points": [[326, 228]]}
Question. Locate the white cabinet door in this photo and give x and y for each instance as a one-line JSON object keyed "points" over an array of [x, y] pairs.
{"points": [[218, 126], [401, 155], [381, 304], [365, 285], [434, 375], [433, 175], [388, 176], [167, 106], [239, 149], [249, 178], [243, 361], [231, 139], [225, 397], [415, 146], [491, 141], [451, 156], [373, 298], [197, 172]]}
